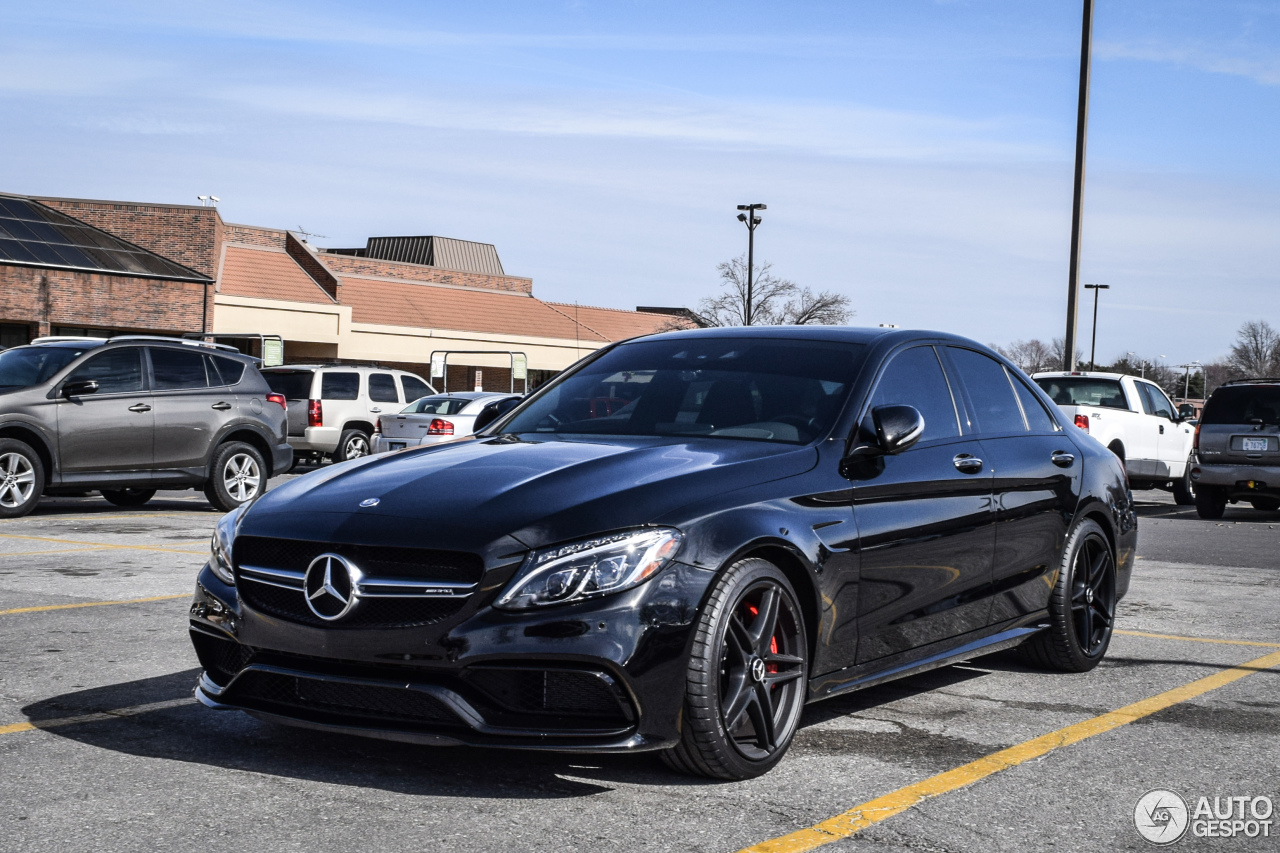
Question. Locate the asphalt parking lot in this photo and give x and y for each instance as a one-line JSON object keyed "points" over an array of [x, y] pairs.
{"points": [[102, 747]]}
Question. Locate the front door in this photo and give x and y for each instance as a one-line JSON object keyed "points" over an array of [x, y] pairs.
{"points": [[925, 518], [110, 430]]}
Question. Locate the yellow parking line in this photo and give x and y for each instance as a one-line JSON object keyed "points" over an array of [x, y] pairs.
{"points": [[110, 545], [91, 604], [874, 811], [114, 714], [1198, 639], [49, 551]]}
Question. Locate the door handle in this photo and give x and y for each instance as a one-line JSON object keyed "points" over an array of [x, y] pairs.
{"points": [[221, 406], [140, 407], [1062, 459], [1162, 429], [967, 463], [375, 410]]}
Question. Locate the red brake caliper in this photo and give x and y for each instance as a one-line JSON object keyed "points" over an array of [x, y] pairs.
{"points": [[773, 641]]}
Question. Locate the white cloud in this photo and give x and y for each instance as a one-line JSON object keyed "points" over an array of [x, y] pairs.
{"points": [[1264, 69]]}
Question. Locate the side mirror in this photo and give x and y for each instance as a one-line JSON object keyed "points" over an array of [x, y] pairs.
{"points": [[79, 389], [898, 428]]}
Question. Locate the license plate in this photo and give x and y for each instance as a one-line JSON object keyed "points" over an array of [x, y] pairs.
{"points": [[399, 445], [1255, 444]]}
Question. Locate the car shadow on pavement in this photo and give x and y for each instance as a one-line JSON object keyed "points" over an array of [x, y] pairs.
{"points": [[1236, 513]]}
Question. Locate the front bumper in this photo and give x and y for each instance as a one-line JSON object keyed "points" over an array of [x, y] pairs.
{"points": [[1234, 478], [599, 676]]}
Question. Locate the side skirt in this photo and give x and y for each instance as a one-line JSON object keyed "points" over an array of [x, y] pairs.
{"points": [[876, 672]]}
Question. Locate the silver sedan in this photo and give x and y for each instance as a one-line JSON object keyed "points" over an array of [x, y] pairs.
{"points": [[439, 418]]}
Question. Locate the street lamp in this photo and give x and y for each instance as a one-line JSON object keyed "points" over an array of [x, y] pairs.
{"points": [[748, 217], [1142, 363], [1093, 345]]}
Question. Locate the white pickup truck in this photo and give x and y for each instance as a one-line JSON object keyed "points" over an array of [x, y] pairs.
{"points": [[1135, 420]]}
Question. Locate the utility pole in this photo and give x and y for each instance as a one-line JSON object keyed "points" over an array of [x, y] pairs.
{"points": [[749, 218], [1093, 344], [1077, 211]]}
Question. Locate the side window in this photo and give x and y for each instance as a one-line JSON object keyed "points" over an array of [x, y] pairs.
{"points": [[1157, 403], [228, 369], [117, 371], [382, 388], [990, 392], [914, 378], [414, 388], [339, 386], [1038, 420], [176, 370], [1144, 398]]}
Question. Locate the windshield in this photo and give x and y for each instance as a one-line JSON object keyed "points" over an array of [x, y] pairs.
{"points": [[435, 406], [1242, 404], [758, 389], [1083, 391], [26, 366]]}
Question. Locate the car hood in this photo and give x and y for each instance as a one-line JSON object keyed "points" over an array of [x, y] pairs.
{"points": [[473, 494]]}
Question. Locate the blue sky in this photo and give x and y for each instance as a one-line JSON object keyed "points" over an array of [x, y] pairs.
{"points": [[914, 155]]}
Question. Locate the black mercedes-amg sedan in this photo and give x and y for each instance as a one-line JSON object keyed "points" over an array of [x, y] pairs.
{"points": [[675, 545]]}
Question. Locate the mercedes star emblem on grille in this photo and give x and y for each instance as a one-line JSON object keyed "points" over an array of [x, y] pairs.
{"points": [[370, 502], [330, 586]]}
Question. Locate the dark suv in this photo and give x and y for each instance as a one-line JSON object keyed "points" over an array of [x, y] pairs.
{"points": [[1237, 448], [130, 415]]}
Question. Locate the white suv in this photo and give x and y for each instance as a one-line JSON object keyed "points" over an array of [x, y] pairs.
{"points": [[333, 407]]}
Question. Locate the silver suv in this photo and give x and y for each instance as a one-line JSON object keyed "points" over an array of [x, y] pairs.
{"points": [[130, 415], [1237, 448], [334, 408]]}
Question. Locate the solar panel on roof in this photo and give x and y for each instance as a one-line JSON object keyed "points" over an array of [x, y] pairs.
{"points": [[31, 233]]}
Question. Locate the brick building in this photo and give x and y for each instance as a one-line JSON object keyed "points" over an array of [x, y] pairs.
{"points": [[180, 269]]}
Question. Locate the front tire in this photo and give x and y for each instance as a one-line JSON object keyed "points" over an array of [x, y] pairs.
{"points": [[1184, 488], [1082, 608], [1211, 502], [747, 676], [128, 497], [238, 475], [21, 478]]}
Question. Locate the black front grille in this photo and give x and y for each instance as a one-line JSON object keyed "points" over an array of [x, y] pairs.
{"points": [[221, 659], [575, 693], [265, 690], [368, 613], [374, 560]]}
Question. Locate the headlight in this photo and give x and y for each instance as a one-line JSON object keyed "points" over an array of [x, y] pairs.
{"points": [[590, 568], [220, 545]]}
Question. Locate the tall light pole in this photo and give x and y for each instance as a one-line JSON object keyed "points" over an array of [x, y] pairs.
{"points": [[1077, 208], [749, 218], [1093, 345], [1142, 362], [1186, 382]]}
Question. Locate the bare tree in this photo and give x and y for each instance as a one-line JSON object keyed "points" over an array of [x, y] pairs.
{"points": [[774, 301], [1031, 356], [1256, 351], [1058, 352]]}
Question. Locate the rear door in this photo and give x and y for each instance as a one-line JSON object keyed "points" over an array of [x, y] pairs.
{"points": [[189, 408], [925, 519], [113, 429], [1036, 482], [384, 396], [295, 385]]}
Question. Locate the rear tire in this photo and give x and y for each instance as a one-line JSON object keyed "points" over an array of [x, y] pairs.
{"points": [[21, 478], [128, 497], [238, 475], [1184, 488], [747, 676], [1082, 607], [1211, 502], [353, 444]]}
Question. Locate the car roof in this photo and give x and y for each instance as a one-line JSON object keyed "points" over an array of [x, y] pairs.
{"points": [[848, 334], [1078, 374]]}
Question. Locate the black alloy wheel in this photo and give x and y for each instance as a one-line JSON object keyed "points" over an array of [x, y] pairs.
{"points": [[1082, 608], [128, 497], [1184, 488], [1211, 502], [747, 676]]}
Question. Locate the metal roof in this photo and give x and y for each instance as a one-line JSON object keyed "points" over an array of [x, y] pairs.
{"points": [[444, 252]]}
